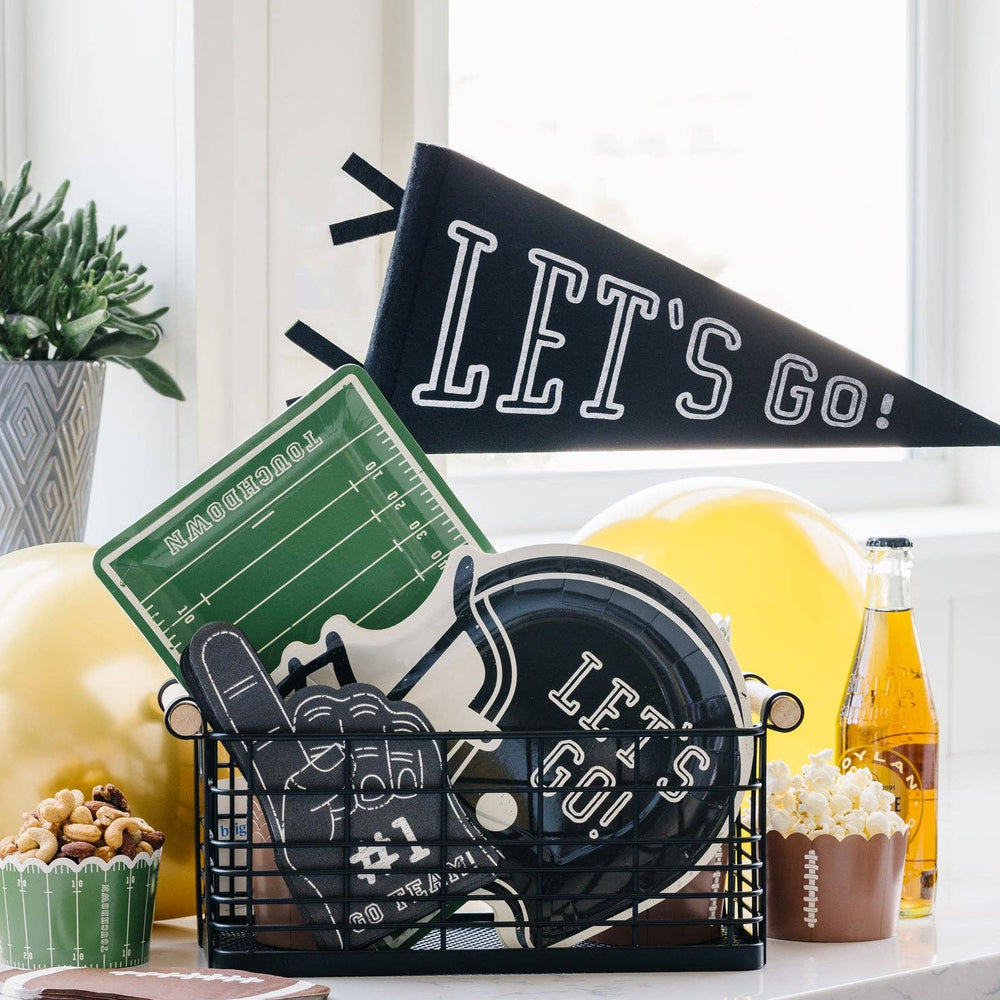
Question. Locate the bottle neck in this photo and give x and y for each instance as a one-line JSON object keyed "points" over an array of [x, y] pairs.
{"points": [[889, 579]]}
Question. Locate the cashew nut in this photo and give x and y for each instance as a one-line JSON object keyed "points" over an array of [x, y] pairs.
{"points": [[8, 846], [145, 847], [81, 814], [105, 815], [143, 825], [58, 808], [104, 853], [33, 821], [115, 833], [44, 840], [78, 797], [88, 832]]}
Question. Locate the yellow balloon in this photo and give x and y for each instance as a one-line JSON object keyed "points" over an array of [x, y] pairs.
{"points": [[790, 577], [78, 688]]}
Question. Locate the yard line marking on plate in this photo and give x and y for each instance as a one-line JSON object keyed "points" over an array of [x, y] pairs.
{"points": [[419, 575], [242, 524], [280, 541], [322, 556], [360, 573]]}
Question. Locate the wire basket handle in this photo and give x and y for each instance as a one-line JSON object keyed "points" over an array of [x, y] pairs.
{"points": [[181, 714], [778, 710]]}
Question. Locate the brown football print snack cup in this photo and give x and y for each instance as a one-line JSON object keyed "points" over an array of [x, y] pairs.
{"points": [[697, 905], [824, 889]]}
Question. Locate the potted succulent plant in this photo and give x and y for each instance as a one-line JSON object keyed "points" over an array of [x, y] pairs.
{"points": [[67, 306]]}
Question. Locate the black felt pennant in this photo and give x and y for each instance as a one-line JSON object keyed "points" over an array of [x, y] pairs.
{"points": [[509, 322]]}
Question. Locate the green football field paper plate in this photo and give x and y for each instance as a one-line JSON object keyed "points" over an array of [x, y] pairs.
{"points": [[332, 508], [96, 913]]}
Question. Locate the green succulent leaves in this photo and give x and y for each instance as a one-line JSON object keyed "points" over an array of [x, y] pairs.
{"points": [[66, 294]]}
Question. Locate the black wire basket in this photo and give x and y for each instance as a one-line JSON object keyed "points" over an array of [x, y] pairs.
{"points": [[671, 903]]}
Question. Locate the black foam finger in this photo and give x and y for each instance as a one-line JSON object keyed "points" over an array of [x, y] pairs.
{"points": [[377, 806], [236, 695]]}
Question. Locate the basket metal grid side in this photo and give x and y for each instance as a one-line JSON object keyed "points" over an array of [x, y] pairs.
{"points": [[715, 921]]}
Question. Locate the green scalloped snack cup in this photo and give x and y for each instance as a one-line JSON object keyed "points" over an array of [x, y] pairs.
{"points": [[95, 913]]}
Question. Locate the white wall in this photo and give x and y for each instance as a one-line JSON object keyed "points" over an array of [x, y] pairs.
{"points": [[972, 607], [976, 109], [285, 92], [98, 98], [324, 102]]}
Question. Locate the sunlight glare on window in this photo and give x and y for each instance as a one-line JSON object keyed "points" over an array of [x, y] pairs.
{"points": [[772, 156]]}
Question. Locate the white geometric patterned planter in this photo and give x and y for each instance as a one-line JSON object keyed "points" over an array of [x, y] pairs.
{"points": [[50, 412]]}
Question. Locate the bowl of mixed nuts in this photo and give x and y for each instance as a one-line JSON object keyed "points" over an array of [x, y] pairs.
{"points": [[78, 883]]}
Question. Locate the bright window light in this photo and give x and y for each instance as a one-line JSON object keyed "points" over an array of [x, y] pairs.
{"points": [[773, 155]]}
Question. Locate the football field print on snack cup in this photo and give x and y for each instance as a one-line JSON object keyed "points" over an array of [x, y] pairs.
{"points": [[78, 883]]}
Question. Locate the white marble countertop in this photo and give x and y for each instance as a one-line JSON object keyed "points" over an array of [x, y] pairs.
{"points": [[954, 954]]}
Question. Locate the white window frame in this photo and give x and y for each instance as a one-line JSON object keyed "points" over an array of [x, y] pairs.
{"points": [[404, 53], [524, 502]]}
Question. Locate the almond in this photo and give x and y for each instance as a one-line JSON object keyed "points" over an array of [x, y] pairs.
{"points": [[155, 839], [130, 845], [77, 850]]}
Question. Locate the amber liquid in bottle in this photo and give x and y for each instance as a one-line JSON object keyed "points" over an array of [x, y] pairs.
{"points": [[887, 719]]}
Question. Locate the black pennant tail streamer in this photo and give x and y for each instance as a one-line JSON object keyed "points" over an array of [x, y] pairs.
{"points": [[379, 222]]}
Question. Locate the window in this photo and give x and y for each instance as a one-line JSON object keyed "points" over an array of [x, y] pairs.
{"points": [[801, 155], [772, 156], [775, 156]]}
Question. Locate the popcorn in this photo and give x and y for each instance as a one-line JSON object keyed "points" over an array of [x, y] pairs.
{"points": [[819, 773], [779, 778], [840, 803], [780, 820], [854, 821], [879, 822], [870, 800], [815, 804], [854, 782], [822, 799]]}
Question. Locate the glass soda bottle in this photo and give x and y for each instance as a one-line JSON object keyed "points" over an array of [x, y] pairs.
{"points": [[887, 719]]}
